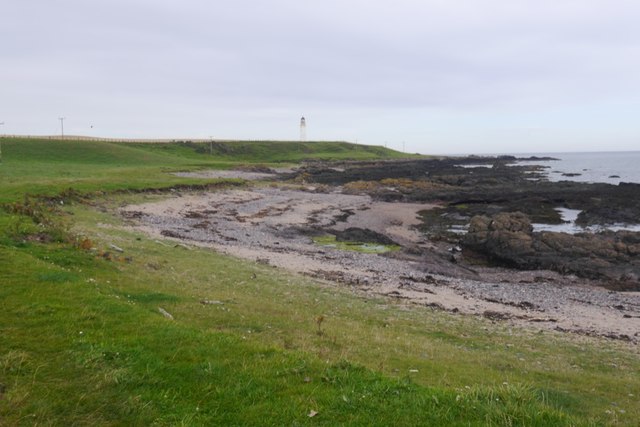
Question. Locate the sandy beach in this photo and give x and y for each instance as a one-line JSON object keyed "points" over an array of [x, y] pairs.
{"points": [[275, 225]]}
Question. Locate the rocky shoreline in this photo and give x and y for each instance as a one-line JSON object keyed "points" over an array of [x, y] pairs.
{"points": [[278, 224], [477, 190], [508, 239]]}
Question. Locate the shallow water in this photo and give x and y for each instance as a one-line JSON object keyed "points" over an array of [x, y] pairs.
{"points": [[569, 216], [488, 166]]}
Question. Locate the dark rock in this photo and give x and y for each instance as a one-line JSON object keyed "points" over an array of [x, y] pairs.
{"points": [[537, 158], [508, 239], [496, 315], [170, 233], [194, 215], [362, 235], [344, 215], [133, 214]]}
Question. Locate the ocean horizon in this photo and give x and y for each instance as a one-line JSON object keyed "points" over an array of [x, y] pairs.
{"points": [[610, 167]]}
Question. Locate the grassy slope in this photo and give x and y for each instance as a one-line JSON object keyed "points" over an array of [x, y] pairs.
{"points": [[50, 166], [82, 340], [276, 151]]}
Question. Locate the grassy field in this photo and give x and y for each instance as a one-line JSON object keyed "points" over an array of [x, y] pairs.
{"points": [[84, 341], [276, 151], [51, 166]]}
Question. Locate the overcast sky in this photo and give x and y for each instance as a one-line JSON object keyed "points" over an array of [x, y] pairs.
{"points": [[456, 76]]}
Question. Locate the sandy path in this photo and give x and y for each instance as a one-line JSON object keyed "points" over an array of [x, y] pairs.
{"points": [[263, 224], [233, 174]]}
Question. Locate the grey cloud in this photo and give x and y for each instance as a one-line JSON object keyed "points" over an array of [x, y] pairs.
{"points": [[468, 56]]}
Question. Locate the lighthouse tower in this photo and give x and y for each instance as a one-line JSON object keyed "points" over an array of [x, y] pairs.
{"points": [[303, 129]]}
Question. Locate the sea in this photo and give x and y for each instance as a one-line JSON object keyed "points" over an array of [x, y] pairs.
{"points": [[611, 167]]}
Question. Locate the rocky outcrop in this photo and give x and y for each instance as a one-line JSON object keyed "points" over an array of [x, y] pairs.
{"points": [[508, 239], [483, 193]]}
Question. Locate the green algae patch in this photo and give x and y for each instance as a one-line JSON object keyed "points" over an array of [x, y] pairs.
{"points": [[330, 241]]}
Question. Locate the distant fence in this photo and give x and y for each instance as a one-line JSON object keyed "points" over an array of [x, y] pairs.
{"points": [[131, 140], [136, 140]]}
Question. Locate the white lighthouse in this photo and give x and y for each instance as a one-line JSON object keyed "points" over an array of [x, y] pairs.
{"points": [[303, 129]]}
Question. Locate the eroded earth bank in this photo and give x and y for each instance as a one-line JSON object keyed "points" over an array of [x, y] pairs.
{"points": [[462, 235]]}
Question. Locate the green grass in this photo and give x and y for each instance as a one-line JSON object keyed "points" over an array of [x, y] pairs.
{"points": [[49, 167], [276, 151], [83, 342], [40, 166], [90, 347]]}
